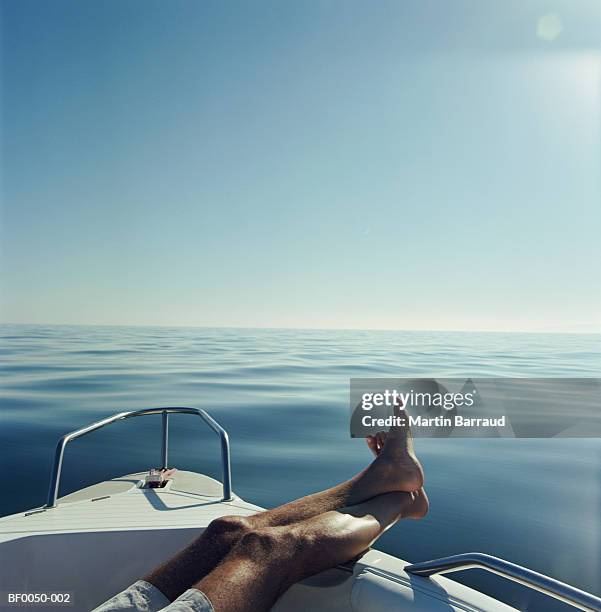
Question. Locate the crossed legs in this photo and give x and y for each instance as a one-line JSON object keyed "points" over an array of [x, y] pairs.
{"points": [[245, 563], [267, 561]]}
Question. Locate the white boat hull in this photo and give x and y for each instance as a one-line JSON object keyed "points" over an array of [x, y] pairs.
{"points": [[99, 540]]}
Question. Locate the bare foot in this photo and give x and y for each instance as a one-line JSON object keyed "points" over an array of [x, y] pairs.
{"points": [[395, 468]]}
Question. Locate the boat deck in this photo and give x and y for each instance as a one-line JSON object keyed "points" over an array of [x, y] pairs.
{"points": [[189, 500]]}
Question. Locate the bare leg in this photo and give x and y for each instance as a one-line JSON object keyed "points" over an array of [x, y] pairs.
{"points": [[267, 561], [394, 469]]}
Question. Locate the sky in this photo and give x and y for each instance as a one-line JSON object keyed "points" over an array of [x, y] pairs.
{"points": [[333, 164]]}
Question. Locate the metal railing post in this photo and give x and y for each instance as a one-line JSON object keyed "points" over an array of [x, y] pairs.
{"points": [[55, 475], [226, 466], [165, 441]]}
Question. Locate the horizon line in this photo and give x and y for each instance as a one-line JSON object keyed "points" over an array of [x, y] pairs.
{"points": [[285, 328]]}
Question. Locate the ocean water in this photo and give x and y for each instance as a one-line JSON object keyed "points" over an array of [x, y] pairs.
{"points": [[283, 397]]}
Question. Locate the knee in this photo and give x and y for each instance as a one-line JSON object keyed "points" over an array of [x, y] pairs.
{"points": [[272, 544], [228, 528]]}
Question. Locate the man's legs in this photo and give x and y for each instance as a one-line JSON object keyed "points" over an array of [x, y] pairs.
{"points": [[395, 469], [268, 560]]}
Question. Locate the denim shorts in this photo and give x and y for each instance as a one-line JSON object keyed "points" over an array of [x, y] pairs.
{"points": [[144, 597]]}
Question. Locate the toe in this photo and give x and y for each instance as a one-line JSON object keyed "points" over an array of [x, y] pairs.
{"points": [[372, 444], [381, 440], [420, 505]]}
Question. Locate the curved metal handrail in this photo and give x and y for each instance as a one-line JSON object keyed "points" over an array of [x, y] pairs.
{"points": [[522, 575], [57, 466]]}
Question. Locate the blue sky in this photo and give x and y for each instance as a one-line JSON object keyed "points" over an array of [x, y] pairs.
{"points": [[393, 165]]}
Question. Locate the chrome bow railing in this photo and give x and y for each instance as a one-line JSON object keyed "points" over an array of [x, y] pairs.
{"points": [[527, 577], [57, 466]]}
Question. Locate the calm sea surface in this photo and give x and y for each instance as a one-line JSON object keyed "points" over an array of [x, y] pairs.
{"points": [[283, 396]]}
